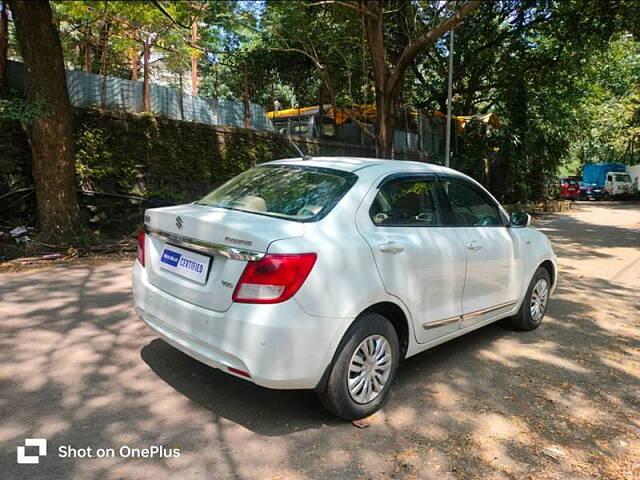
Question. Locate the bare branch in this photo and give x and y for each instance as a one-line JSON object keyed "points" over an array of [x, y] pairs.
{"points": [[427, 38]]}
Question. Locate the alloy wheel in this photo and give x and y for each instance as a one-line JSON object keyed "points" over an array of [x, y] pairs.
{"points": [[539, 298], [369, 369]]}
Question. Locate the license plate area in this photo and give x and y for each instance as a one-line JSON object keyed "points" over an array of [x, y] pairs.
{"points": [[185, 263]]}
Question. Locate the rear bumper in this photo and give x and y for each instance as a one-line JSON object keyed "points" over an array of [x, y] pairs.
{"points": [[279, 345]]}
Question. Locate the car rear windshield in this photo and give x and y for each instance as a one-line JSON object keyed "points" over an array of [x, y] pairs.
{"points": [[293, 192]]}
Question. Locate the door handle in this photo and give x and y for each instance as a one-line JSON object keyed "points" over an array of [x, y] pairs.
{"points": [[390, 247], [474, 246]]}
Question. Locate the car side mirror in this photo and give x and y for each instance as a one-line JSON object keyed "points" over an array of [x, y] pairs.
{"points": [[519, 220]]}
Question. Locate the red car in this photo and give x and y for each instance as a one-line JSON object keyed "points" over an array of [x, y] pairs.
{"points": [[569, 188]]}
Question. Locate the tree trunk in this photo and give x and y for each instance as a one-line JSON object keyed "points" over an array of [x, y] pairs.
{"points": [[87, 49], [328, 83], [104, 42], [384, 116], [385, 126], [194, 60], [4, 47], [146, 100], [245, 96], [105, 31], [50, 135]]}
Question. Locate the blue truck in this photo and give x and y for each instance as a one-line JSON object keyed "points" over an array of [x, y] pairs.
{"points": [[596, 173], [611, 177]]}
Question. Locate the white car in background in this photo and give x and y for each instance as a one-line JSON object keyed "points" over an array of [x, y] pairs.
{"points": [[324, 273]]}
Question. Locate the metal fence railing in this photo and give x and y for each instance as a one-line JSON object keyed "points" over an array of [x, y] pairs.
{"points": [[92, 90], [119, 94]]}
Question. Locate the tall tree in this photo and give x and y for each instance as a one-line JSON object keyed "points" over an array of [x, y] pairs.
{"points": [[389, 78], [50, 134], [312, 48]]}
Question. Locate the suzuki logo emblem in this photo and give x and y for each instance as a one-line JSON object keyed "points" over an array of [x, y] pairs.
{"points": [[179, 223]]}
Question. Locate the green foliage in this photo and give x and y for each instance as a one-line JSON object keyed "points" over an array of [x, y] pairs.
{"points": [[534, 63], [179, 160], [562, 75], [87, 27], [609, 111], [17, 108], [163, 160]]}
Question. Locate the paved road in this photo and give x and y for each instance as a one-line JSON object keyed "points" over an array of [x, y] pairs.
{"points": [[79, 369]]}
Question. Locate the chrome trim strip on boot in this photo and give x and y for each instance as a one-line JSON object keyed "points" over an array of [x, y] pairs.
{"points": [[204, 247]]}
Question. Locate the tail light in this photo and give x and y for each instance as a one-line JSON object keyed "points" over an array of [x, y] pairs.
{"points": [[141, 247], [273, 279]]}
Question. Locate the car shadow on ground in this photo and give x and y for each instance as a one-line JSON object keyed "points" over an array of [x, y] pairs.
{"points": [[278, 412], [263, 410]]}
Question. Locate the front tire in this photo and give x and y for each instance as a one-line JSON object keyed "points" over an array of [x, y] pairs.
{"points": [[364, 369], [534, 305]]}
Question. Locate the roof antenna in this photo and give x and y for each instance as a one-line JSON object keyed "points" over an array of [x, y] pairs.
{"points": [[302, 155]]}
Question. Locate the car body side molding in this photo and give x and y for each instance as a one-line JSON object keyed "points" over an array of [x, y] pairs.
{"points": [[477, 313]]}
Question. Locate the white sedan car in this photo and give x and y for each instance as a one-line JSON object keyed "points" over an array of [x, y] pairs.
{"points": [[324, 273]]}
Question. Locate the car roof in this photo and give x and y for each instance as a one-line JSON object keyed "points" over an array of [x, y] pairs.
{"points": [[353, 164]]}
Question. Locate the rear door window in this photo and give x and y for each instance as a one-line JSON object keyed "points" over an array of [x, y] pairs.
{"points": [[406, 202]]}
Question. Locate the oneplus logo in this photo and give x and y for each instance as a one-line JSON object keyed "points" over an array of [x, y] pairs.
{"points": [[41, 443]]}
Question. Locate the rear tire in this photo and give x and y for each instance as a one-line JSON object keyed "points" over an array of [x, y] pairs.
{"points": [[364, 369], [534, 305]]}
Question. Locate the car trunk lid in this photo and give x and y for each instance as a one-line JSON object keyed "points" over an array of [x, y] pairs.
{"points": [[221, 239]]}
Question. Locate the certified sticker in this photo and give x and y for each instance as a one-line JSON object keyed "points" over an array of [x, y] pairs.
{"points": [[185, 263]]}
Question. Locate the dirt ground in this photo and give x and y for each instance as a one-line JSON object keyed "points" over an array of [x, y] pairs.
{"points": [[78, 368]]}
